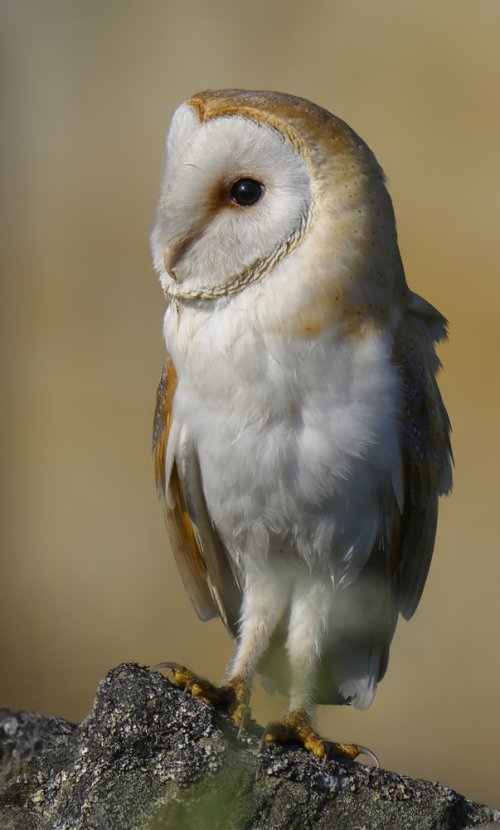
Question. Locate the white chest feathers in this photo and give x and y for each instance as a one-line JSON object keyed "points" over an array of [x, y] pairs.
{"points": [[297, 439]]}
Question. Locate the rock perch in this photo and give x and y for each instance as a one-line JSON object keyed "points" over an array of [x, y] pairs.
{"points": [[149, 757]]}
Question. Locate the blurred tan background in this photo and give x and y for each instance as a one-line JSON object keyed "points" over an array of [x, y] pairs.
{"points": [[86, 577]]}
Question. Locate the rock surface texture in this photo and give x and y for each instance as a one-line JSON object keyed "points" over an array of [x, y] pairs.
{"points": [[149, 757]]}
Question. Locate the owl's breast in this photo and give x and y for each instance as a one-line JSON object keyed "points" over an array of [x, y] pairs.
{"points": [[297, 440]]}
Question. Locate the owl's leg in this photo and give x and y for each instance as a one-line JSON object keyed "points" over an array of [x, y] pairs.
{"points": [[263, 606], [306, 633], [262, 609]]}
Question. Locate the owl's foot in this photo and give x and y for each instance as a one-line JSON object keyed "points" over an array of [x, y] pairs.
{"points": [[233, 697], [296, 727]]}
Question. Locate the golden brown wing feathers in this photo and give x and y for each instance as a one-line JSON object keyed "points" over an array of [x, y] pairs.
{"points": [[200, 555], [181, 531]]}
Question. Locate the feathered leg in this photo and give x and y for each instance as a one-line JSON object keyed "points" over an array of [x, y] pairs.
{"points": [[306, 634], [262, 610]]}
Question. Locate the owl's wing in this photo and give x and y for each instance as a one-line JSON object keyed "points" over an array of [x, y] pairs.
{"points": [[199, 553], [426, 448]]}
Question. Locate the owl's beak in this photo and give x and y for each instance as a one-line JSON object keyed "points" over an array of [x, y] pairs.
{"points": [[173, 253], [171, 258]]}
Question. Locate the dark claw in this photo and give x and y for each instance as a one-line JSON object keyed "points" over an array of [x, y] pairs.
{"points": [[167, 665], [363, 750], [174, 668], [270, 728], [245, 720], [331, 754]]}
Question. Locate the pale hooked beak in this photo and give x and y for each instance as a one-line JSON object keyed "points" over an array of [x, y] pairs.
{"points": [[171, 258], [173, 253]]}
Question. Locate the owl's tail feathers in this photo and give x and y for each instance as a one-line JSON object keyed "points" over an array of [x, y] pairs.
{"points": [[362, 624]]}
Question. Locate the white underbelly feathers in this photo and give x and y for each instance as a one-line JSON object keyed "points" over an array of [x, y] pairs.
{"points": [[295, 441]]}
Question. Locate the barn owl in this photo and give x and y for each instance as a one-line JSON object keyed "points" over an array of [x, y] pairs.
{"points": [[300, 439]]}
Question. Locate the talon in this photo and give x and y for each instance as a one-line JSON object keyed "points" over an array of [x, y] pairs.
{"points": [[346, 752], [364, 750], [174, 667], [275, 732], [296, 728], [350, 752], [186, 680], [231, 697], [241, 718], [166, 665]]}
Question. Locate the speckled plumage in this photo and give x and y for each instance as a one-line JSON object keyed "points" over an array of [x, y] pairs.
{"points": [[300, 438]]}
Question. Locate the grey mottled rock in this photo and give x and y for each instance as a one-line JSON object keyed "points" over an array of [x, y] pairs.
{"points": [[149, 757]]}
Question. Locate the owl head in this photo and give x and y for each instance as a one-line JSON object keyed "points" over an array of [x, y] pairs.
{"points": [[264, 190]]}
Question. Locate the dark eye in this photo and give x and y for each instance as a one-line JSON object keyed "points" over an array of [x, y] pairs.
{"points": [[246, 192]]}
